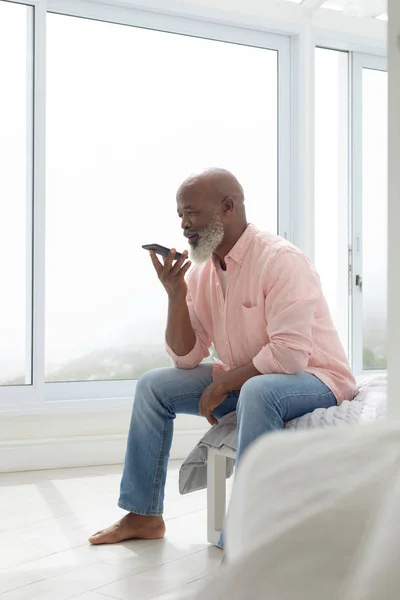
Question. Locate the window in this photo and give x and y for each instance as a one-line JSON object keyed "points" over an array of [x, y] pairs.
{"points": [[15, 193], [374, 217], [369, 214], [332, 181], [351, 228], [130, 113]]}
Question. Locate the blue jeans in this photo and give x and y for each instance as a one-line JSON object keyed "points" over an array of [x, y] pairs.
{"points": [[263, 405]]}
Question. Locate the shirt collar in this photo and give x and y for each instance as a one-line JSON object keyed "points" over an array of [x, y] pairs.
{"points": [[241, 247]]}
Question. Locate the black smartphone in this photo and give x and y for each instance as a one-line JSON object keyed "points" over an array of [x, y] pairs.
{"points": [[162, 250]]}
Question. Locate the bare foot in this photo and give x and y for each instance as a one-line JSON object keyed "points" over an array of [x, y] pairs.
{"points": [[131, 526]]}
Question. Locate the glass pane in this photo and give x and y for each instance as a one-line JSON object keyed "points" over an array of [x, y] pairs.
{"points": [[375, 164], [130, 113], [15, 193], [331, 182]]}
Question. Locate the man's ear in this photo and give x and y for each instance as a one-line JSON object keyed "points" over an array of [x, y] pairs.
{"points": [[228, 204]]}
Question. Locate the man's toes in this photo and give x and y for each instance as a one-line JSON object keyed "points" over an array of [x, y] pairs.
{"points": [[95, 534], [99, 538]]}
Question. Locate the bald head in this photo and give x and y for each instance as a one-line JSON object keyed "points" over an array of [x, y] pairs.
{"points": [[211, 206], [215, 183]]}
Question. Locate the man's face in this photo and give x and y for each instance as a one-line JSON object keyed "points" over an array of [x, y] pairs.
{"points": [[201, 223]]}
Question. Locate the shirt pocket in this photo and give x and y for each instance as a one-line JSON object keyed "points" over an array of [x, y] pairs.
{"points": [[253, 327]]}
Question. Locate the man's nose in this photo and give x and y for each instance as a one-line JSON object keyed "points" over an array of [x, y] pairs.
{"points": [[185, 223]]}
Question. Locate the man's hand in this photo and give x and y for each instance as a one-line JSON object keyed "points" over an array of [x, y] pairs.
{"points": [[172, 276], [218, 391], [212, 397]]}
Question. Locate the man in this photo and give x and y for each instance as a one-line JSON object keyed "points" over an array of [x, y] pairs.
{"points": [[258, 299]]}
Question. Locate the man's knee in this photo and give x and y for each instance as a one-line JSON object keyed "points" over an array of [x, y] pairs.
{"points": [[250, 396], [156, 380], [260, 390]]}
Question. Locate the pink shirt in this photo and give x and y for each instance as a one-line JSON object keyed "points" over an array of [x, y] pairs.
{"points": [[274, 314]]}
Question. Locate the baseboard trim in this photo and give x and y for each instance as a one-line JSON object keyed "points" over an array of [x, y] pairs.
{"points": [[80, 451]]}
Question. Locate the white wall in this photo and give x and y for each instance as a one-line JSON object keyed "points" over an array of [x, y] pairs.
{"points": [[32, 442], [394, 210]]}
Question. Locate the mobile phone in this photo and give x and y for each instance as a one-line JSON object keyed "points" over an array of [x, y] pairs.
{"points": [[162, 250]]}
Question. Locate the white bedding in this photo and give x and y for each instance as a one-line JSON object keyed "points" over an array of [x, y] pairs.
{"points": [[368, 405], [318, 520]]}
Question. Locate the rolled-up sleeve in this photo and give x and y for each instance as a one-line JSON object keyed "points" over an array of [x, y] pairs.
{"points": [[201, 347], [293, 287]]}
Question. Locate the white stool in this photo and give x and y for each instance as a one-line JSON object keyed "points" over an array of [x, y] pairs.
{"points": [[216, 491]]}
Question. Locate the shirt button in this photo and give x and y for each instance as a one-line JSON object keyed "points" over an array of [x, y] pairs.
{"points": [[217, 284]]}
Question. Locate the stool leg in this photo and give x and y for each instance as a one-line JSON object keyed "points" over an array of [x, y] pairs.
{"points": [[216, 495]]}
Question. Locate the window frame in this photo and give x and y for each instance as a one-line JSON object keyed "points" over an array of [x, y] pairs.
{"points": [[101, 395], [345, 174], [24, 390], [359, 61], [360, 57]]}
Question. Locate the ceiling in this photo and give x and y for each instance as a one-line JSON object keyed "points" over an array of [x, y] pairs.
{"points": [[375, 9]]}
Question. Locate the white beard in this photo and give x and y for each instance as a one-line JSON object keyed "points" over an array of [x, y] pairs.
{"points": [[209, 239]]}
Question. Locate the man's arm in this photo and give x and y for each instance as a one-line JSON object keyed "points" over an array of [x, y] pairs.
{"points": [[216, 393], [179, 334], [293, 289], [187, 341], [235, 379]]}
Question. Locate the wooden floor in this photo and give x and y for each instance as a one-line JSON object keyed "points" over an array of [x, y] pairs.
{"points": [[46, 517]]}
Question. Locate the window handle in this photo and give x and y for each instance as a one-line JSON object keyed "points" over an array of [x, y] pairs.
{"points": [[359, 282]]}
